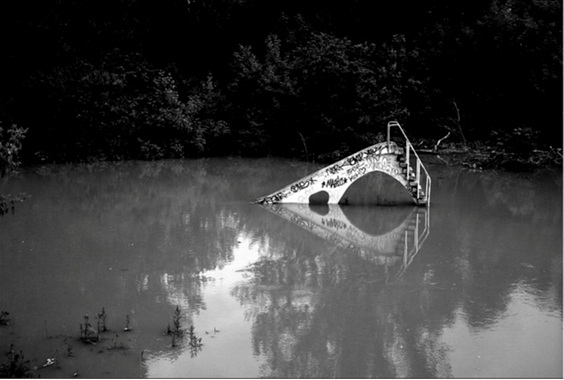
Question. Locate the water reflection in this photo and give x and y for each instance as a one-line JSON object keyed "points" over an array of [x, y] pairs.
{"points": [[479, 297], [329, 312], [380, 235]]}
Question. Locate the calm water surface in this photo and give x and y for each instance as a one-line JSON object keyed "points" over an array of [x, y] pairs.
{"points": [[471, 287]]}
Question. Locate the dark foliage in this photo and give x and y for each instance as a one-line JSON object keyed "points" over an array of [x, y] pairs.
{"points": [[10, 145], [15, 365], [142, 79]]}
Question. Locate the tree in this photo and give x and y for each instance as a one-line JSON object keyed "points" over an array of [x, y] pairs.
{"points": [[324, 95], [10, 146], [120, 107]]}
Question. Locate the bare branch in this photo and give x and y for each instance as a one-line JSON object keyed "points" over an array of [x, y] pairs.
{"points": [[440, 140]]}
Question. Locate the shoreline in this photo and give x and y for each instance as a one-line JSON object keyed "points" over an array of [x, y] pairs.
{"points": [[482, 157], [488, 158]]}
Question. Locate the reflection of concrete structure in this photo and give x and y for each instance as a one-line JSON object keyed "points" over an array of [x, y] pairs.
{"points": [[397, 246], [330, 183]]}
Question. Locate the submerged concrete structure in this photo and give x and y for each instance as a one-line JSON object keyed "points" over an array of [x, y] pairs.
{"points": [[400, 161]]}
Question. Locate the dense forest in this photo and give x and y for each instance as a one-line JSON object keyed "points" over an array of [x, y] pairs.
{"points": [[87, 80]]}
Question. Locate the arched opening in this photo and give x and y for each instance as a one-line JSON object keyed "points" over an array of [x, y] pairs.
{"points": [[376, 188], [319, 198]]}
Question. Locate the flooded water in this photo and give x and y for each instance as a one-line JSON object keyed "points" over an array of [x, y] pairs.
{"points": [[469, 287]]}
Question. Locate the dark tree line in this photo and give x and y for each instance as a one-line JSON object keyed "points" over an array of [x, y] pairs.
{"points": [[145, 79]]}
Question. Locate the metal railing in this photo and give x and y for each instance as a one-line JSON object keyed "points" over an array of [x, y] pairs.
{"points": [[418, 163], [419, 236]]}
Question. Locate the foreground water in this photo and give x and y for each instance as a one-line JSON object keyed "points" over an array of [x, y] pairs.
{"points": [[471, 287]]}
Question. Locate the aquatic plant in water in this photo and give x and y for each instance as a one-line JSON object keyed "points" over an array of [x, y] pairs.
{"points": [[70, 351], [87, 333], [102, 317], [116, 345], [4, 318], [176, 321], [195, 342], [176, 331], [16, 365], [127, 328]]}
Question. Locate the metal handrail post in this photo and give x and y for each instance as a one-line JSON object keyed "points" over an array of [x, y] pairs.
{"points": [[417, 232], [405, 250], [407, 149], [418, 175], [429, 196], [388, 136], [420, 165]]}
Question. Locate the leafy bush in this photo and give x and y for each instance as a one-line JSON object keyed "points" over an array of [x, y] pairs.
{"points": [[327, 96], [305, 81], [10, 146], [118, 108]]}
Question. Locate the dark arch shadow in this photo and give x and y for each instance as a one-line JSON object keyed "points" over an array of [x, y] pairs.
{"points": [[376, 188], [319, 198]]}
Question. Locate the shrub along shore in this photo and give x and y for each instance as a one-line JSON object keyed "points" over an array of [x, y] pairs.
{"points": [[311, 80]]}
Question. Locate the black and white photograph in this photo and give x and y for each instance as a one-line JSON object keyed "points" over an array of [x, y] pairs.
{"points": [[225, 189]]}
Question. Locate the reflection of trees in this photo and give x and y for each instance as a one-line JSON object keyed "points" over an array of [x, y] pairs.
{"points": [[319, 311], [131, 237], [162, 206], [310, 320], [521, 231]]}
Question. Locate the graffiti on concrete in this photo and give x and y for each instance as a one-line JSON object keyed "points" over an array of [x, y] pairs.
{"points": [[356, 172], [302, 185], [334, 182], [384, 164], [338, 177], [277, 197], [333, 169]]}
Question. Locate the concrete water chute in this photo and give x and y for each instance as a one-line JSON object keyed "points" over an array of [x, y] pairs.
{"points": [[400, 161]]}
